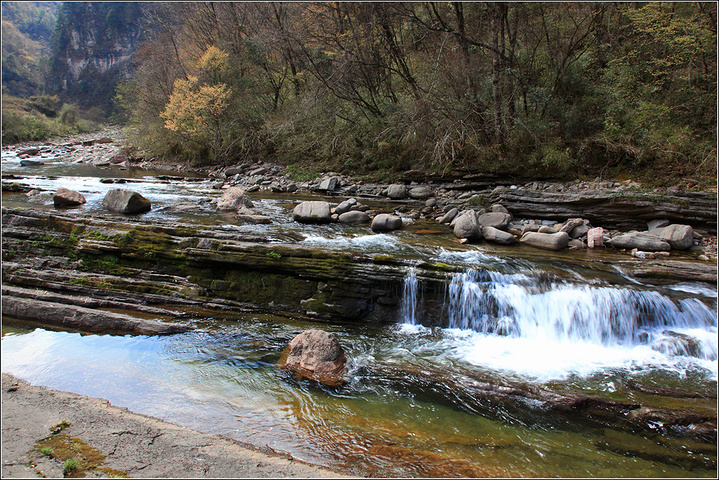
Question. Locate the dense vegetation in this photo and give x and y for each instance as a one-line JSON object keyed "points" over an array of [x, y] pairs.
{"points": [[563, 89]]}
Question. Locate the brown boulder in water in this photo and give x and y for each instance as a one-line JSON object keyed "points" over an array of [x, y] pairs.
{"points": [[317, 355]]}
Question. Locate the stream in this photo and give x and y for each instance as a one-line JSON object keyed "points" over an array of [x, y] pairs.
{"points": [[555, 322]]}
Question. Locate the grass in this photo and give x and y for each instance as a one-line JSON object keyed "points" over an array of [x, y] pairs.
{"points": [[47, 451], [69, 466]]}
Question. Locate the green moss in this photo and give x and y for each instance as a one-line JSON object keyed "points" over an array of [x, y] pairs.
{"points": [[77, 456]]}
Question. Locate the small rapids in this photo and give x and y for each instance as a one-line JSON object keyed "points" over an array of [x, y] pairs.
{"points": [[548, 329]]}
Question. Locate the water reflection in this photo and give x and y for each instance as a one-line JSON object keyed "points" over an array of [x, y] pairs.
{"points": [[395, 418]]}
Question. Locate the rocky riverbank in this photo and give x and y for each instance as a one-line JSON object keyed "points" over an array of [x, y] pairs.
{"points": [[43, 428], [535, 210]]}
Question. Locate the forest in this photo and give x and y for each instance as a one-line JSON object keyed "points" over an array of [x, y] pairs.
{"points": [[561, 90]]}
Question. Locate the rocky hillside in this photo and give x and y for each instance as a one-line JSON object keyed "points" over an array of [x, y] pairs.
{"points": [[93, 45]]}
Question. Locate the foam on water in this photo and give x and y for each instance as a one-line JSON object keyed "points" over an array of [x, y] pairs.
{"points": [[512, 323]]}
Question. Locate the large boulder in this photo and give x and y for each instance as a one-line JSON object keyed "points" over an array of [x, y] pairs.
{"points": [[498, 220], [125, 201], [233, 199], [316, 355], [312, 212], [385, 222], [547, 241], [397, 191], [680, 237], [467, 226], [65, 197], [496, 235], [354, 217], [641, 240]]}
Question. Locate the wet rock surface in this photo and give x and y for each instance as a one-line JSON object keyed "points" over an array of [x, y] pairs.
{"points": [[317, 355]]}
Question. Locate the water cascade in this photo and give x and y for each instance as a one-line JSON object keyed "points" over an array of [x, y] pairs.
{"points": [[409, 298], [519, 318]]}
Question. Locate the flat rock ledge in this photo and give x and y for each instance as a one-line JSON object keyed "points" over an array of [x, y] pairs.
{"points": [[133, 445], [84, 319]]}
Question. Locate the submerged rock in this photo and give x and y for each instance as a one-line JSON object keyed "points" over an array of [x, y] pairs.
{"points": [[125, 201], [317, 355], [65, 197]]}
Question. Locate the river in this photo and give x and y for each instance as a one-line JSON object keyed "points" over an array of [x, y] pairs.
{"points": [[413, 407]]}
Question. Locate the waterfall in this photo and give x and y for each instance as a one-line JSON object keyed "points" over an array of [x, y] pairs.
{"points": [[564, 315], [409, 298], [509, 305]]}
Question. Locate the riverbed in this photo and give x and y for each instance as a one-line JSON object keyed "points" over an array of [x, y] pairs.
{"points": [[414, 405]]}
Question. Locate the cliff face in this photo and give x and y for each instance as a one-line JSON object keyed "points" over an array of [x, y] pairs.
{"points": [[93, 45]]}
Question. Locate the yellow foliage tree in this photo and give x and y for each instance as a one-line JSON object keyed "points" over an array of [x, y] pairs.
{"points": [[215, 63], [195, 111]]}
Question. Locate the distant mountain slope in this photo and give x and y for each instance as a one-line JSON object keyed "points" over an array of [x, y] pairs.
{"points": [[26, 31]]}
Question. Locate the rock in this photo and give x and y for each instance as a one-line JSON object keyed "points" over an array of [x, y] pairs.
{"points": [[250, 216], [385, 222], [354, 217], [30, 163], [546, 229], [328, 184], [677, 344], [498, 236], [397, 191], [498, 220], [65, 197], [125, 201], [575, 243], [29, 151], [345, 206], [233, 199], [312, 212], [317, 355], [232, 171], [467, 226], [680, 237], [498, 208], [421, 193], [85, 319], [641, 240], [571, 224], [595, 237], [449, 216], [579, 231], [658, 223], [547, 241], [431, 202]]}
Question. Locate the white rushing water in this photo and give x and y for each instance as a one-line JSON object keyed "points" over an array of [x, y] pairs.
{"points": [[513, 323]]}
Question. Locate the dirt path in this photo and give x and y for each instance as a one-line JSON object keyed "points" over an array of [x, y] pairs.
{"points": [[116, 442]]}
